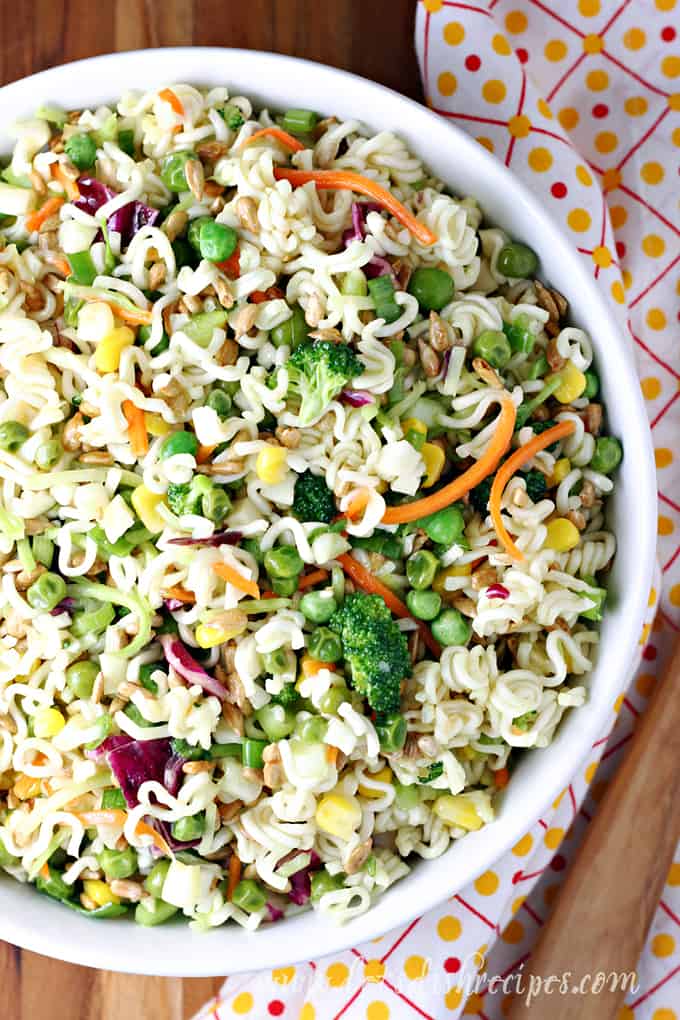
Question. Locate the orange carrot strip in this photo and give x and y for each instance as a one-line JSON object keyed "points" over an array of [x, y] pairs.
{"points": [[367, 582], [510, 467], [116, 816], [134, 317], [204, 453], [347, 180], [281, 136], [61, 265], [69, 186], [231, 575], [134, 416], [331, 754], [170, 97], [179, 593], [49, 208], [501, 778], [234, 875], [357, 504], [456, 489], [309, 580], [310, 666], [231, 266], [44, 871]]}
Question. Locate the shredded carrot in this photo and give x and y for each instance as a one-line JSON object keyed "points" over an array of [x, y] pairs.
{"points": [[234, 875], [458, 488], [310, 666], [134, 416], [501, 778], [44, 871], [232, 265], [69, 186], [367, 582], [134, 317], [61, 265], [231, 575], [49, 208], [268, 595], [116, 816], [512, 465], [347, 180], [309, 580], [357, 504], [331, 754], [281, 136], [170, 97], [256, 297], [40, 759], [204, 453], [179, 593]]}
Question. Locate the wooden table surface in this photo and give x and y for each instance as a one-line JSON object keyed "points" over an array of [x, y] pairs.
{"points": [[374, 39]]}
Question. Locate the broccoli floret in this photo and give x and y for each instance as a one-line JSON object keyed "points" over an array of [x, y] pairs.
{"points": [[313, 500], [374, 650], [287, 696], [536, 485], [199, 496], [434, 771], [317, 371], [479, 496]]}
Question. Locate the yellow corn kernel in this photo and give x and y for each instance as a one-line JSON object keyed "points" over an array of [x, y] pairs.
{"points": [[99, 892], [26, 787], [439, 583], [271, 465], [145, 503], [383, 776], [414, 425], [562, 535], [457, 810], [434, 458], [573, 383], [155, 425], [95, 321], [338, 815], [226, 627], [109, 350], [560, 470], [48, 722]]}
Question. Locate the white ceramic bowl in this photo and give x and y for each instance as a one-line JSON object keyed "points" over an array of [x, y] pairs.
{"points": [[31, 920]]}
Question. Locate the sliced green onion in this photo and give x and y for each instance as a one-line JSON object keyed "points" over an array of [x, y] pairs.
{"points": [[382, 291], [11, 525], [43, 549], [252, 751], [83, 268], [132, 601], [299, 122], [25, 554]]}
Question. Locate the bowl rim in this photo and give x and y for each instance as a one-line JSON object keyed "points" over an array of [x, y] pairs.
{"points": [[155, 951]]}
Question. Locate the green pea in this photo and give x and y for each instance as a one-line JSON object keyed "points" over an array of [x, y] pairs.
{"points": [[283, 561], [12, 435], [6, 858], [451, 628], [154, 881], [330, 702], [81, 150], [80, 676], [432, 287], [47, 592], [155, 912], [324, 645], [322, 883], [592, 385], [216, 241], [118, 863], [47, 454], [252, 751], [173, 170], [445, 527], [318, 606], [276, 721], [291, 332], [517, 261], [191, 827], [424, 605], [220, 402], [194, 230], [391, 730], [607, 456], [312, 730], [276, 661], [493, 346], [421, 569], [178, 442], [354, 284], [248, 895], [54, 885], [406, 797], [216, 505], [284, 586]]}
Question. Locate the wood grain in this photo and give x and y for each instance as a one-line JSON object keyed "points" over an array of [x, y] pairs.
{"points": [[603, 913], [372, 39]]}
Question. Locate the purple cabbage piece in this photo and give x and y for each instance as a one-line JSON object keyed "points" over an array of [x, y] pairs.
{"points": [[377, 266], [137, 762], [100, 752], [187, 667], [173, 605], [301, 881], [357, 398], [275, 913], [213, 541], [172, 775], [126, 221]]}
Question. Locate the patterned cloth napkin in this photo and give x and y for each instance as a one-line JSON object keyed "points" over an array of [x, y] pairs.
{"points": [[578, 99]]}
